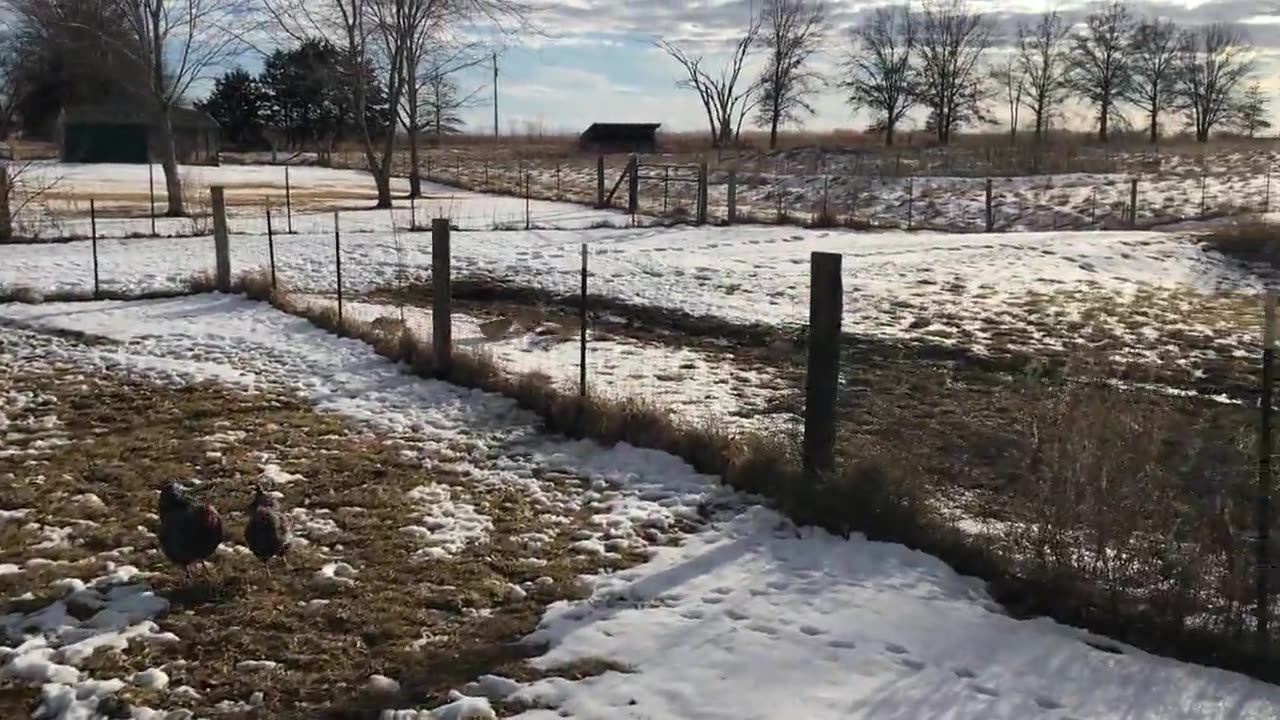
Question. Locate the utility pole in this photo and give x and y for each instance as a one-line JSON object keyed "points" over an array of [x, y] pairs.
{"points": [[495, 93]]}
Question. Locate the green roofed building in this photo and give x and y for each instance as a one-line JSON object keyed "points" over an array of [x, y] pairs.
{"points": [[121, 134]]}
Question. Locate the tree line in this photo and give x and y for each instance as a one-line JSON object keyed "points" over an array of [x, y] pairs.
{"points": [[943, 59], [338, 69]]}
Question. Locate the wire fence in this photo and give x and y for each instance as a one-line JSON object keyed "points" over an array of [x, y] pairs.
{"points": [[1145, 507], [951, 192]]}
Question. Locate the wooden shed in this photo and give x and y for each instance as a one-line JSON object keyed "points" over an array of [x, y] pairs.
{"points": [[620, 137], [124, 134]]}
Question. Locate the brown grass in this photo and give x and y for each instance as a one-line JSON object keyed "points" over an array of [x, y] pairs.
{"points": [[1251, 242], [130, 436]]}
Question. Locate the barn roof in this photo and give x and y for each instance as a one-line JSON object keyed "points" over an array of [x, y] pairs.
{"points": [[134, 115], [603, 131]]}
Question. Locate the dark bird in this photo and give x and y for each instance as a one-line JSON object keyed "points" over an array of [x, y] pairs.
{"points": [[190, 532], [267, 532]]}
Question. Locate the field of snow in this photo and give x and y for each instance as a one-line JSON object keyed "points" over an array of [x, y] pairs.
{"points": [[1071, 188], [742, 616], [1131, 296], [123, 203]]}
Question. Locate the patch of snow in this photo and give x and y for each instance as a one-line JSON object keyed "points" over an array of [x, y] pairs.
{"points": [[152, 679]]}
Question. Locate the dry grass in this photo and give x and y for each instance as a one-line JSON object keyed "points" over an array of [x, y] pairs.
{"points": [[1251, 242], [128, 437]]}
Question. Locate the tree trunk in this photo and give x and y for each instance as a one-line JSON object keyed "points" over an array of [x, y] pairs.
{"points": [[1155, 127], [1102, 124], [169, 161], [888, 135], [6, 214], [773, 131], [415, 178], [382, 178]]}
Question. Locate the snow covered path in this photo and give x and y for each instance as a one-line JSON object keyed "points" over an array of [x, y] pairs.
{"points": [[747, 618]]}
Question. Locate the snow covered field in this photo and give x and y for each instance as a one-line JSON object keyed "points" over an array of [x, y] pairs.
{"points": [[744, 617], [1132, 296], [123, 202], [1071, 188]]}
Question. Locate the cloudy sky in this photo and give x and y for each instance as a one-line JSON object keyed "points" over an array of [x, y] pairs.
{"points": [[594, 60]]}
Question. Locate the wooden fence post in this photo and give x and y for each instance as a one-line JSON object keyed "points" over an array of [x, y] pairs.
{"points": [[702, 193], [221, 240], [991, 217], [823, 372], [1133, 202], [633, 187], [1203, 194], [337, 257], [582, 321], [733, 196], [528, 218], [911, 197], [93, 235], [1265, 450], [441, 298], [271, 247], [599, 181], [1266, 198]]}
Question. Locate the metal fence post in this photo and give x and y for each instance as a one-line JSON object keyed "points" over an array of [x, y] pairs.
{"points": [[703, 178], [288, 200], [337, 256], [1266, 198], [151, 180], [93, 235], [633, 187], [1265, 449], [271, 247], [823, 372], [911, 197], [441, 298]]}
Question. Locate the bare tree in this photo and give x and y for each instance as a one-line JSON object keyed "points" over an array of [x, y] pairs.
{"points": [[793, 32], [1152, 59], [877, 67], [725, 103], [177, 43], [1042, 54], [948, 82], [1012, 80], [430, 93], [1100, 52], [1212, 65], [376, 39]]}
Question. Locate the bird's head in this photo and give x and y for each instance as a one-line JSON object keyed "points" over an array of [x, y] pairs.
{"points": [[260, 498]]}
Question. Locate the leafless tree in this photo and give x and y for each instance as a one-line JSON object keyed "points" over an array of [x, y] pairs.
{"points": [[1212, 65], [793, 32], [1101, 53], [1152, 59], [433, 56], [723, 98], [378, 37], [1011, 78], [948, 81], [177, 43], [877, 67], [1042, 54]]}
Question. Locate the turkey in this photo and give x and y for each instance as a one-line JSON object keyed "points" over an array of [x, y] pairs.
{"points": [[189, 532], [267, 532]]}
